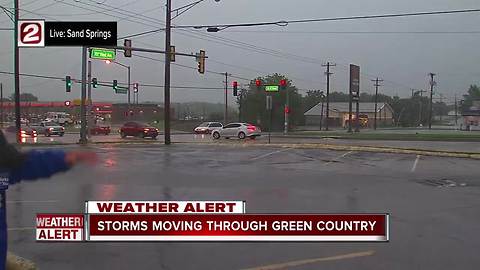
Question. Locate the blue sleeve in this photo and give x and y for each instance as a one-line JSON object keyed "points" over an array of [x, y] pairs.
{"points": [[39, 164]]}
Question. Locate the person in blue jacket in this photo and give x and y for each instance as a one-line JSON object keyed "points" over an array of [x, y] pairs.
{"points": [[16, 166]]}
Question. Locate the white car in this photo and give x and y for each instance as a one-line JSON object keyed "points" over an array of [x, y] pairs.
{"points": [[208, 127], [239, 130]]}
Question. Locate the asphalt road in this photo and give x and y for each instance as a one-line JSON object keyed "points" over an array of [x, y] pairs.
{"points": [[425, 145], [433, 204]]}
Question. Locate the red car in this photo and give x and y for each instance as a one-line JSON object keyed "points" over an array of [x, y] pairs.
{"points": [[97, 130], [138, 130]]}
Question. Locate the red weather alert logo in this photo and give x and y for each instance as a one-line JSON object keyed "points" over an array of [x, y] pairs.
{"points": [[31, 33]]}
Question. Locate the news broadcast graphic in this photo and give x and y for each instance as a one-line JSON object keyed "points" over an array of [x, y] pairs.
{"points": [[40, 33], [204, 221], [238, 227], [164, 207], [31, 33], [60, 227]]}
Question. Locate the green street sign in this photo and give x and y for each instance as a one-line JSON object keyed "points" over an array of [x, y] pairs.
{"points": [[103, 54], [271, 88], [121, 90]]}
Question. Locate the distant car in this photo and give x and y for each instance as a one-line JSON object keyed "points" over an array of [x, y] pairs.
{"points": [[25, 131], [48, 128], [138, 130], [239, 130], [207, 127], [97, 130]]}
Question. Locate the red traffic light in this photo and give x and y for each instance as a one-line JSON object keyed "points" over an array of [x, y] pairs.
{"points": [[283, 83], [67, 103], [287, 109], [258, 83], [235, 84]]}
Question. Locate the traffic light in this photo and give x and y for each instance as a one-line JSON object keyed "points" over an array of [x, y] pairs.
{"points": [[127, 43], [67, 103], [283, 84], [135, 87], [94, 83], [68, 84], [201, 62], [235, 88], [172, 53], [115, 85], [258, 83]]}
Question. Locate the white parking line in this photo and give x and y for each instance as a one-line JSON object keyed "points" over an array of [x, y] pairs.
{"points": [[414, 167], [269, 154], [339, 157]]}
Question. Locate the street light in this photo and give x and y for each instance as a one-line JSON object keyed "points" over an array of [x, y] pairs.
{"points": [[128, 68]]}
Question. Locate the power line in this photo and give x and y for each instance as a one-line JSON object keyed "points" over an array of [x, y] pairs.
{"points": [[350, 32], [120, 83], [287, 22]]}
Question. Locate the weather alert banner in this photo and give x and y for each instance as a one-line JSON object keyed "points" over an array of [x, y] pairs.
{"points": [[204, 221]]}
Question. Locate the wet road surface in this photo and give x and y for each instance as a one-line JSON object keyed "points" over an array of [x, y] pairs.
{"points": [[434, 205]]}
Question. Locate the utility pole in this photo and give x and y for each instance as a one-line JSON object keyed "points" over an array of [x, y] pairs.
{"points": [[16, 64], [225, 114], [168, 29], [328, 73], [377, 81], [456, 111], [432, 83]]}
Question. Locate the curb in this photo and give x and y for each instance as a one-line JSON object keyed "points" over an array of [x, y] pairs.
{"points": [[359, 148]]}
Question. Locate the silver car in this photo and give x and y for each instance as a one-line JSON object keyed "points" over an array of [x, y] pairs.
{"points": [[48, 128], [239, 130]]}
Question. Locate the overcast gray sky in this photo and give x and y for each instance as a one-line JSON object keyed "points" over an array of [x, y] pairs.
{"points": [[402, 60]]}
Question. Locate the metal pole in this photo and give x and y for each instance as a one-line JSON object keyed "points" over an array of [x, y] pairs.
{"points": [[287, 105], [168, 29], [456, 111], [225, 115], [376, 101], [16, 70], [89, 99], [432, 83], [128, 87], [328, 95], [240, 107], [83, 116], [321, 115]]}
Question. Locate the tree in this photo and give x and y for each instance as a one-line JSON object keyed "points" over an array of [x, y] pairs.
{"points": [[253, 104], [472, 95], [25, 97], [410, 111]]}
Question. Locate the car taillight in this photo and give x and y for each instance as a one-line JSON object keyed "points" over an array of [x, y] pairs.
{"points": [[146, 129], [23, 131], [51, 129], [251, 128]]}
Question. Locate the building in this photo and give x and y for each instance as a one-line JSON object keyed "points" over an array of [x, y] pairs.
{"points": [[339, 111], [471, 117]]}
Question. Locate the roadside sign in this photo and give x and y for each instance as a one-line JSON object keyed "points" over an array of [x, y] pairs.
{"points": [[103, 54], [121, 90], [271, 88]]}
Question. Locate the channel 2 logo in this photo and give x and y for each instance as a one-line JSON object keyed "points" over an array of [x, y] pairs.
{"points": [[31, 33]]}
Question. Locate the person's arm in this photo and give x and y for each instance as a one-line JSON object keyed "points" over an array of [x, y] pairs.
{"points": [[43, 164]]}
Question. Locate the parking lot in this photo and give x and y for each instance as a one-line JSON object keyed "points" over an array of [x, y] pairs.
{"points": [[433, 204]]}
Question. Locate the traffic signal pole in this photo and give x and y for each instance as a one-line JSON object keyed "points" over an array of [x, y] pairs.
{"points": [[168, 29], [225, 115], [83, 116], [89, 105], [287, 107]]}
